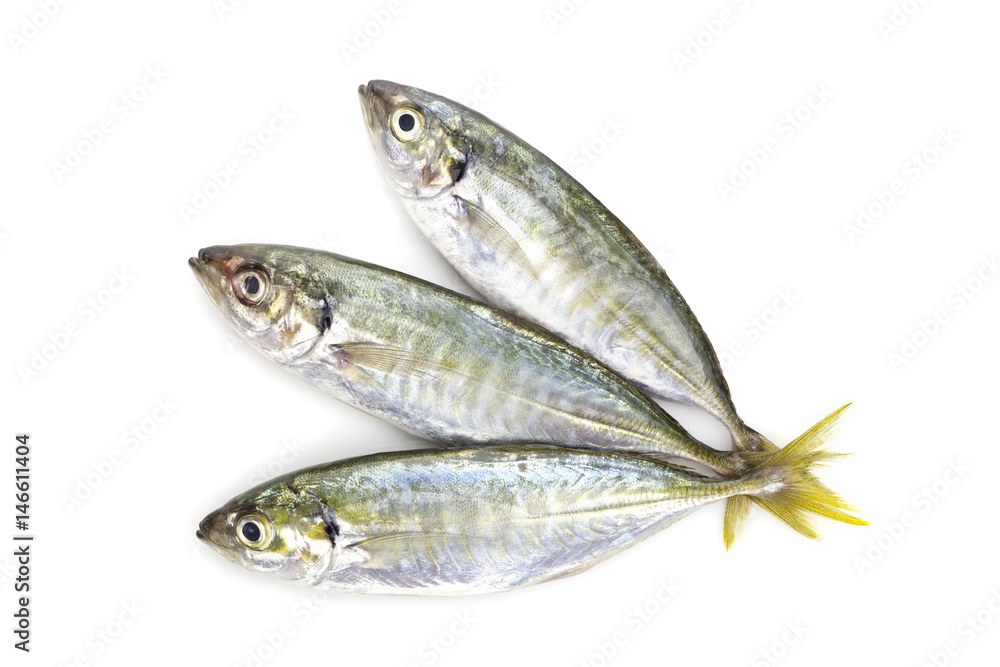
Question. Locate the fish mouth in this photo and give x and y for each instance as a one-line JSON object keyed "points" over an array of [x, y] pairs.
{"points": [[201, 272], [212, 267], [204, 528], [208, 529], [211, 278], [201, 265]]}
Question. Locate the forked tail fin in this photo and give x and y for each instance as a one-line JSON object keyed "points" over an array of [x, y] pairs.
{"points": [[787, 488]]}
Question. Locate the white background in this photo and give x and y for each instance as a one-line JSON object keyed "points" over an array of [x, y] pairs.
{"points": [[892, 593]]}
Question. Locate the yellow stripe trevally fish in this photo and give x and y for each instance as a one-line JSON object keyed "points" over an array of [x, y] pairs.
{"points": [[485, 519], [432, 361]]}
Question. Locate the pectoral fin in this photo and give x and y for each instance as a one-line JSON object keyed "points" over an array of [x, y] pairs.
{"points": [[491, 234], [379, 358], [426, 549]]}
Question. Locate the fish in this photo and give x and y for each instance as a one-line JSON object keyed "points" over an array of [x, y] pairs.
{"points": [[485, 519], [434, 362], [438, 364], [534, 242]]}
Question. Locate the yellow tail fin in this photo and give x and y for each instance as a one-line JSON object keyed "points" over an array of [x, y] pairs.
{"points": [[791, 490]]}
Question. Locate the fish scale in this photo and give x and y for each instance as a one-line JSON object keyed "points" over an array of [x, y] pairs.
{"points": [[478, 520], [436, 363]]}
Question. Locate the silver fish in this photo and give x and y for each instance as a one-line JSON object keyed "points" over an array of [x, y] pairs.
{"points": [[481, 520], [434, 362], [536, 243]]}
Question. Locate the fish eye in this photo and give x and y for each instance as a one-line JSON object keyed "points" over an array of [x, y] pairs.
{"points": [[407, 123], [254, 531], [251, 285]]}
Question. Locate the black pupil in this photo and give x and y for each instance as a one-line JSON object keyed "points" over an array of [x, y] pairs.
{"points": [[251, 531], [406, 122], [251, 285]]}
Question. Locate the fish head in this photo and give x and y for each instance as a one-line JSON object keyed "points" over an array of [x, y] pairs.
{"points": [[417, 137], [268, 294], [274, 530]]}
